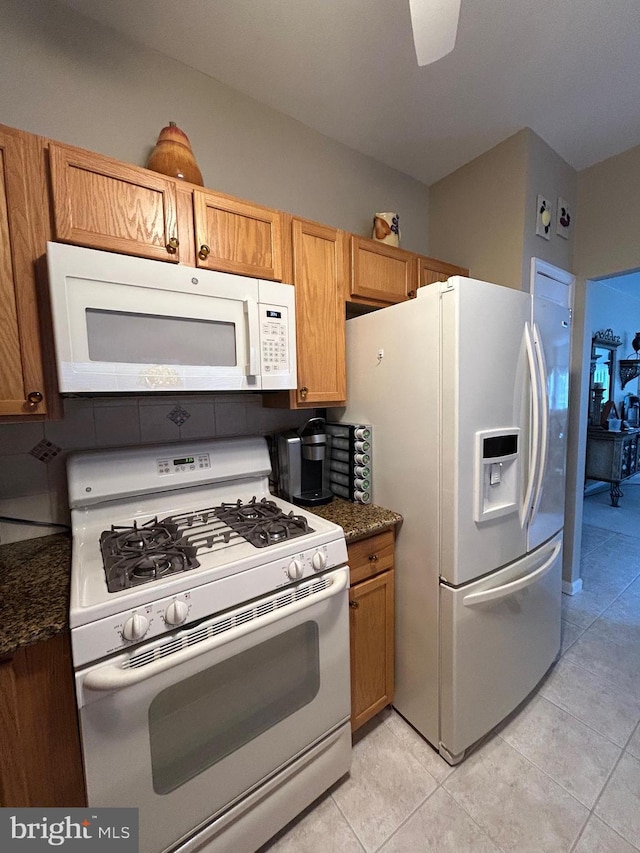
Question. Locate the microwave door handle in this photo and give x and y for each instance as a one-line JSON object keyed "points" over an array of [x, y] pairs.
{"points": [[253, 337], [114, 677]]}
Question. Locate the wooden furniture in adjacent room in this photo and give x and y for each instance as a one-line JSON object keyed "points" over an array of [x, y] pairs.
{"points": [[612, 457]]}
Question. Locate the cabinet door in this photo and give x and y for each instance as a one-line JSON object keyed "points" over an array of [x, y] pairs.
{"points": [[431, 270], [41, 761], [371, 640], [380, 272], [105, 204], [238, 237], [21, 377], [318, 271]]}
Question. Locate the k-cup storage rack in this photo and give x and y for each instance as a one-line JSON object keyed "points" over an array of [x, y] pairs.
{"points": [[349, 455]]}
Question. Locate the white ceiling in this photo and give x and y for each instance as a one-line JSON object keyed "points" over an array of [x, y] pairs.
{"points": [[568, 69]]}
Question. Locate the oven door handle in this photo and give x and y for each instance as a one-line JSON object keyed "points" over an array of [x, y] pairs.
{"points": [[114, 677]]}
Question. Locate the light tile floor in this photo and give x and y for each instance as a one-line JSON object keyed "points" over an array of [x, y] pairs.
{"points": [[562, 774]]}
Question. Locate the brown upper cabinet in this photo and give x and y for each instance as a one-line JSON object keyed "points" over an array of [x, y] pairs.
{"points": [[431, 270], [316, 264], [237, 237], [53, 191], [22, 390], [380, 272], [105, 204]]}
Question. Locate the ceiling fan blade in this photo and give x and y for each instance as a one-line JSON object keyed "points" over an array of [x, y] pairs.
{"points": [[435, 26]]}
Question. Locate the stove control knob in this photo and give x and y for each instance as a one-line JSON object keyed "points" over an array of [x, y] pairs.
{"points": [[135, 627], [319, 561], [294, 570], [176, 613]]}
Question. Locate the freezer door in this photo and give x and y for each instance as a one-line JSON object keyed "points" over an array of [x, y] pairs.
{"points": [[484, 427], [551, 334], [498, 637]]}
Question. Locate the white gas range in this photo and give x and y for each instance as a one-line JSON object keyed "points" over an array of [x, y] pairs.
{"points": [[209, 624]]}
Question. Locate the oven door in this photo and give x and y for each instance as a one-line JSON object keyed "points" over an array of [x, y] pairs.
{"points": [[125, 324], [185, 726]]}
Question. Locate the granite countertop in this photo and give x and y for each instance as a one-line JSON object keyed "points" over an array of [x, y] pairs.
{"points": [[34, 590], [357, 520]]}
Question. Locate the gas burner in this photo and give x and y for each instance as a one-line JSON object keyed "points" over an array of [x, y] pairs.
{"points": [[262, 523], [151, 567], [136, 554]]}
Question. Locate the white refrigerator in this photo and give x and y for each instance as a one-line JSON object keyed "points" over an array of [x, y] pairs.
{"points": [[466, 388]]}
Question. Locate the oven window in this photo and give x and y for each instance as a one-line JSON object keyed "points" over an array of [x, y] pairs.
{"points": [[198, 721], [132, 338]]}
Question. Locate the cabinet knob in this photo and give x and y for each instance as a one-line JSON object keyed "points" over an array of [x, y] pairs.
{"points": [[204, 252], [373, 558], [303, 392], [172, 245], [411, 294], [34, 398], [354, 604]]}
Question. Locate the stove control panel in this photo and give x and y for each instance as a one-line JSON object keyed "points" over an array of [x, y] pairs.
{"points": [[183, 463]]}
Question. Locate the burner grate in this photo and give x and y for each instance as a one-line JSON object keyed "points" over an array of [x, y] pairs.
{"points": [[137, 554], [262, 522]]}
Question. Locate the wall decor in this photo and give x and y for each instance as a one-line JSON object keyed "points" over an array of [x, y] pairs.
{"points": [[386, 228], [563, 218], [173, 156], [543, 218]]}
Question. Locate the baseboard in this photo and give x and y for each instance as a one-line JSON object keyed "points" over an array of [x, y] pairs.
{"points": [[572, 587]]}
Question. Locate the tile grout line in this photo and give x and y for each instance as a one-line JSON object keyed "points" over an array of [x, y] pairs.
{"points": [[598, 798]]}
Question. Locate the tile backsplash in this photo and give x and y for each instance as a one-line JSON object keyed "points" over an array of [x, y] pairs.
{"points": [[33, 481]]}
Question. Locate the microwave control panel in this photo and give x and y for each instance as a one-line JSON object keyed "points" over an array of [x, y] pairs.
{"points": [[274, 348]]}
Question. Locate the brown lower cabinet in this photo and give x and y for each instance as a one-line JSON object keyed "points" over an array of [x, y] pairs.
{"points": [[371, 625], [41, 764]]}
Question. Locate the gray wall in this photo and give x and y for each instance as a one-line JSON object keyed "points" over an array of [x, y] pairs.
{"points": [[483, 215], [552, 177], [477, 213], [76, 81]]}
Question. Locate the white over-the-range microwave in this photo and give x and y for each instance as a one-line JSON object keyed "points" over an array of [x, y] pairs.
{"points": [[131, 325]]}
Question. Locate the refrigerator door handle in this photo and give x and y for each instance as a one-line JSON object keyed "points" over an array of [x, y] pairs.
{"points": [[507, 589], [535, 438], [544, 418]]}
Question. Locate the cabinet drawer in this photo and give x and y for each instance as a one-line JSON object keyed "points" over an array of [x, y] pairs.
{"points": [[368, 557]]}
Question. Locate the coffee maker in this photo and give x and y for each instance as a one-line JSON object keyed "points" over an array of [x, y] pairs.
{"points": [[302, 464]]}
